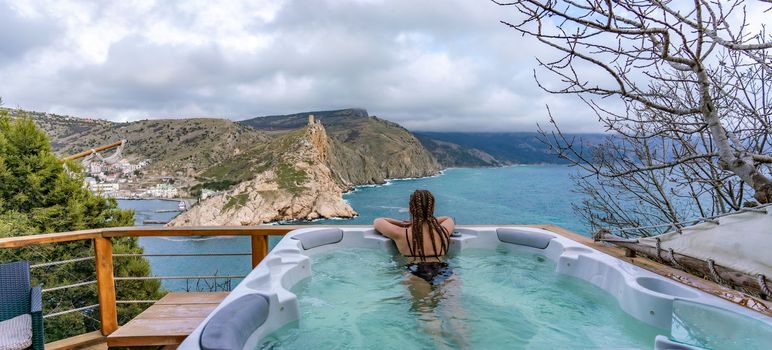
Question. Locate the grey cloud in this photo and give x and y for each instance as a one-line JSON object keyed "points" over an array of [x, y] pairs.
{"points": [[428, 66], [20, 35]]}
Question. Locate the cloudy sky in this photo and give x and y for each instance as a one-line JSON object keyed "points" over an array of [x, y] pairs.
{"points": [[429, 65]]}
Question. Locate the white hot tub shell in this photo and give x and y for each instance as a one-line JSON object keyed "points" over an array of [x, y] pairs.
{"points": [[262, 303]]}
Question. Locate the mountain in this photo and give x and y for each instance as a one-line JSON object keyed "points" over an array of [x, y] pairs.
{"points": [[182, 148], [367, 149], [470, 149], [302, 171], [450, 154], [292, 169], [290, 178], [450, 149], [331, 120]]}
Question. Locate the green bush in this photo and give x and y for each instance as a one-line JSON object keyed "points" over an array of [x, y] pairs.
{"points": [[38, 195]]}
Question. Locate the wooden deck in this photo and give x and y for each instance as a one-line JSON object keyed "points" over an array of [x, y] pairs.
{"points": [[88, 341], [168, 321]]}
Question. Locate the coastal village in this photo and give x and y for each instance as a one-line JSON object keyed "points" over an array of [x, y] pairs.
{"points": [[123, 180]]}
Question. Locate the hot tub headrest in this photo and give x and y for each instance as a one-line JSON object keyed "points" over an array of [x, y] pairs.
{"points": [[316, 238], [232, 325], [522, 237]]}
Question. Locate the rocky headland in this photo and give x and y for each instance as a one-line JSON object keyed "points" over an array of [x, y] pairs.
{"points": [[299, 185], [302, 172]]}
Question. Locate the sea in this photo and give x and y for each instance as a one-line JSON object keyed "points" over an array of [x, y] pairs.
{"points": [[523, 194]]}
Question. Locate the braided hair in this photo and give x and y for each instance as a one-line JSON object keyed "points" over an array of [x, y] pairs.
{"points": [[422, 212]]}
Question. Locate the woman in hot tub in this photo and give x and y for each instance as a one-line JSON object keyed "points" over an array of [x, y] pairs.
{"points": [[424, 240]]}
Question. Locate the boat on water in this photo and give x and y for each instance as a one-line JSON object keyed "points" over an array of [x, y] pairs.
{"points": [[182, 206]]}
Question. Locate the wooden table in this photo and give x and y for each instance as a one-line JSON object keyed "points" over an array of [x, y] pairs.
{"points": [[168, 322]]}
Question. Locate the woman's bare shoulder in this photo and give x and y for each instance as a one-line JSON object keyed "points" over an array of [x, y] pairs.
{"points": [[447, 222]]}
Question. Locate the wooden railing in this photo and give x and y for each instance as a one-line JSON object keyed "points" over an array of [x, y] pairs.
{"points": [[103, 253], [105, 277]]}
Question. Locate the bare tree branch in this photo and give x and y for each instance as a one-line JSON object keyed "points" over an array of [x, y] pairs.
{"points": [[691, 77]]}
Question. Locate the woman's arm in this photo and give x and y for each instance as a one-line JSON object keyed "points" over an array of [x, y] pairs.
{"points": [[387, 227], [396, 222]]}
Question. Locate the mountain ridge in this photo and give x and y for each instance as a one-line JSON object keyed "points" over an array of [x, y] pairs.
{"points": [[471, 149], [258, 177]]}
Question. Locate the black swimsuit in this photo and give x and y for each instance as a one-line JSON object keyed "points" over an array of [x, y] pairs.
{"points": [[434, 272]]}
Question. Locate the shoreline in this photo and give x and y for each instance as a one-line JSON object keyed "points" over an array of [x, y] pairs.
{"points": [[387, 182], [356, 188], [158, 199]]}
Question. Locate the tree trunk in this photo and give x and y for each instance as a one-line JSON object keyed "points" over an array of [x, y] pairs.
{"points": [[742, 164]]}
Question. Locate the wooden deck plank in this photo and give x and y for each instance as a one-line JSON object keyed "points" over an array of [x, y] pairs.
{"points": [[177, 311], [192, 298], [142, 332], [82, 341], [167, 322], [158, 327]]}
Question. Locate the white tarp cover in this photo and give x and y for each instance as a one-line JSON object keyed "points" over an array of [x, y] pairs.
{"points": [[741, 241]]}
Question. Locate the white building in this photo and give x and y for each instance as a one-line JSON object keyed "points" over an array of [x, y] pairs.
{"points": [[162, 191], [126, 167], [206, 193], [95, 167], [107, 189], [89, 182]]}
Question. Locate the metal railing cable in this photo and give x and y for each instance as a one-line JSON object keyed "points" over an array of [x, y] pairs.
{"points": [[182, 254], [86, 283], [61, 262], [129, 278], [87, 258], [84, 308], [142, 278]]}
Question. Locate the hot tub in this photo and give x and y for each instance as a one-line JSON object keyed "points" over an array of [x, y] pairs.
{"points": [[673, 315]]}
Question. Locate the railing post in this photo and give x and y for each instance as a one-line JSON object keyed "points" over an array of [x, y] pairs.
{"points": [[259, 248], [108, 315]]}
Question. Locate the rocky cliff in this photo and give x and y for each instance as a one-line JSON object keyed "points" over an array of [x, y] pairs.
{"points": [[365, 149], [295, 183]]}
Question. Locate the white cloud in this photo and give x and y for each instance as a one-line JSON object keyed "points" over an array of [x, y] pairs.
{"points": [[424, 64]]}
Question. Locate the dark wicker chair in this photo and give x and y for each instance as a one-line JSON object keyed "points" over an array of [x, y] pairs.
{"points": [[18, 298]]}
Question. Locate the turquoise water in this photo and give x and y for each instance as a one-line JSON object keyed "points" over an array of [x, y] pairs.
{"points": [[190, 266], [360, 299], [533, 194], [510, 195]]}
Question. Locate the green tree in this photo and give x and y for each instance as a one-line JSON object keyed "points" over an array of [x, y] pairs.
{"points": [[41, 194]]}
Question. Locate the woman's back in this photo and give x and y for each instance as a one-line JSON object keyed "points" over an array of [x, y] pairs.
{"points": [[403, 235], [432, 243]]}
